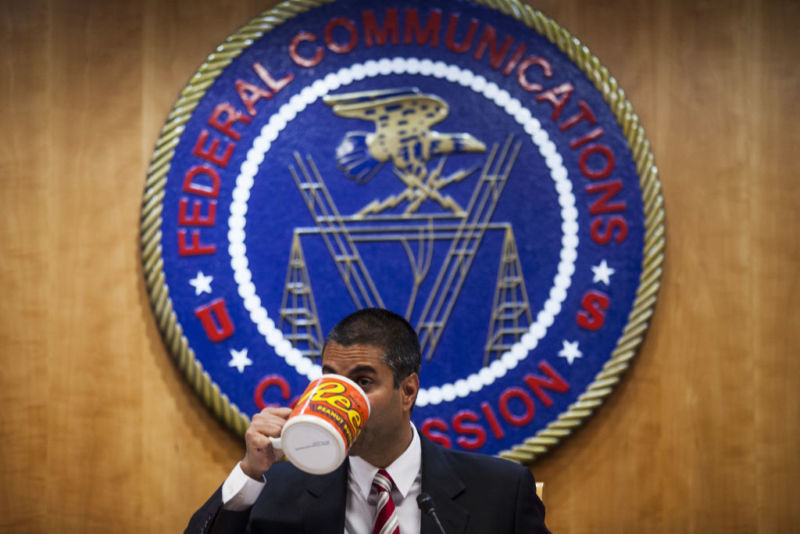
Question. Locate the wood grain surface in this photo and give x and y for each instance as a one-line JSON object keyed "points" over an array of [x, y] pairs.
{"points": [[100, 433]]}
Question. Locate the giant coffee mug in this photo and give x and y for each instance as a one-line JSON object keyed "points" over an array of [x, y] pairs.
{"points": [[324, 424]]}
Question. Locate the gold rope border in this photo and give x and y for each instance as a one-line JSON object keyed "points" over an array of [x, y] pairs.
{"points": [[649, 281]]}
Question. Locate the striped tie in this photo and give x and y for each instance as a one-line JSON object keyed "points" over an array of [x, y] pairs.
{"points": [[386, 522]]}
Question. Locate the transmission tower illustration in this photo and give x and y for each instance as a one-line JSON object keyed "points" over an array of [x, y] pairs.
{"points": [[511, 312], [299, 319]]}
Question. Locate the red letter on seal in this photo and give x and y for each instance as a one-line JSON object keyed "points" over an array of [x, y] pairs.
{"points": [[216, 321]]}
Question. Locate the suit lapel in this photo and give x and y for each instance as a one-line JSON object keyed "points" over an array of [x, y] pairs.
{"points": [[326, 501], [326, 495], [441, 481]]}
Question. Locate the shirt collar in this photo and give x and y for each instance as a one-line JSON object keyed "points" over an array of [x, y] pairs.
{"points": [[403, 470]]}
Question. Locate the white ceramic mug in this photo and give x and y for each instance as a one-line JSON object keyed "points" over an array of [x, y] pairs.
{"points": [[325, 422]]}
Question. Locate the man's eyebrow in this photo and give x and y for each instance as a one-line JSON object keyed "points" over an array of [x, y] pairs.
{"points": [[363, 369]]}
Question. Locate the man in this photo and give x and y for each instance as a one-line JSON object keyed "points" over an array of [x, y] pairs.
{"points": [[470, 493]]}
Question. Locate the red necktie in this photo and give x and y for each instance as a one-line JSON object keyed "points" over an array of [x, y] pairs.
{"points": [[386, 521]]}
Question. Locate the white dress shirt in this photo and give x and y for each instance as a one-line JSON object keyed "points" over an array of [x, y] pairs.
{"points": [[239, 491], [406, 472]]}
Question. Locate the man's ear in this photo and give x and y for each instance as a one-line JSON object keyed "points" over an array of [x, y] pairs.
{"points": [[408, 389]]}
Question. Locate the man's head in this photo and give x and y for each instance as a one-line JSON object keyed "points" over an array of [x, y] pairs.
{"points": [[379, 351], [385, 330]]}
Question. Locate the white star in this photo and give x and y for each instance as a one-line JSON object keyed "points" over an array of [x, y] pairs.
{"points": [[602, 273], [239, 359], [201, 283], [570, 351]]}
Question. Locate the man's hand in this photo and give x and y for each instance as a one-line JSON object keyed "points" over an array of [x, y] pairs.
{"points": [[260, 454]]}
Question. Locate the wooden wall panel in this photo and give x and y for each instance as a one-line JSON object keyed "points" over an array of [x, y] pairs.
{"points": [[23, 156], [100, 433]]}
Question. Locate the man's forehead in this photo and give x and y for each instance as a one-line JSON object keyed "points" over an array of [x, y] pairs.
{"points": [[335, 354]]}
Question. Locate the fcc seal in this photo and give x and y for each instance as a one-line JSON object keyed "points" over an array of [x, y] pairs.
{"points": [[472, 168]]}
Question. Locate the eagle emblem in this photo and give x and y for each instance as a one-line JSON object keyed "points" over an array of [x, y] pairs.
{"points": [[403, 119]]}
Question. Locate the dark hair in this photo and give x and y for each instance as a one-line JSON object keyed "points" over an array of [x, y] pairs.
{"points": [[376, 327]]}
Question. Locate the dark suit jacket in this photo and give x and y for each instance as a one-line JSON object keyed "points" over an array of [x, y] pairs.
{"points": [[472, 494]]}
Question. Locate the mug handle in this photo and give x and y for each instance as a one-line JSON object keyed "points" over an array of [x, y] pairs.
{"points": [[276, 442]]}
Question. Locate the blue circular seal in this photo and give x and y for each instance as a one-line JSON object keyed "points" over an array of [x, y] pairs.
{"points": [[473, 170]]}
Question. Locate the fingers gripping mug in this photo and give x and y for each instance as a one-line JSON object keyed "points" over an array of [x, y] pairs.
{"points": [[324, 424]]}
